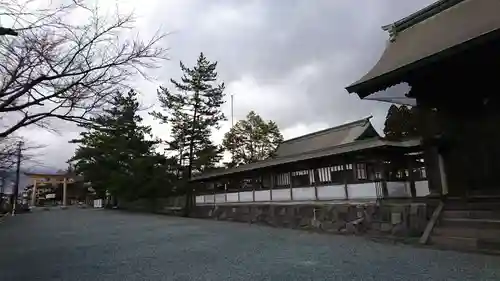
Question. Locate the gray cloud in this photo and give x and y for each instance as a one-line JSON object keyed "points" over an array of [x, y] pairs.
{"points": [[287, 60]]}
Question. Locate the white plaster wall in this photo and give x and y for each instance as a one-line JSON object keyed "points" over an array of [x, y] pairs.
{"points": [[330, 192], [262, 195], [98, 203], [303, 193], [220, 198], [209, 198], [200, 199], [398, 189], [232, 197], [422, 188], [281, 194], [362, 191], [246, 196]]}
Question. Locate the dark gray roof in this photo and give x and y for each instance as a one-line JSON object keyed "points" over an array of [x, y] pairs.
{"points": [[346, 138], [418, 38], [339, 135], [419, 16]]}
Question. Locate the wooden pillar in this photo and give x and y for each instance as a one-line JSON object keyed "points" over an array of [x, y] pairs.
{"points": [[65, 192], [316, 180], [443, 178], [411, 176], [346, 188], [253, 189], [272, 186], [33, 194], [429, 127], [238, 189], [225, 192], [384, 175], [291, 185], [433, 169]]}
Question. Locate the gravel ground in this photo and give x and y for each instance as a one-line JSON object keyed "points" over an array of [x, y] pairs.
{"points": [[84, 244]]}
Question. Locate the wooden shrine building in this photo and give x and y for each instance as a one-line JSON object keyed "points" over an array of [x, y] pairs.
{"points": [[348, 162], [443, 59]]}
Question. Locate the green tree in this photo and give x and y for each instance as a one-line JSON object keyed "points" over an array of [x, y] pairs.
{"points": [[192, 110], [252, 140], [115, 156], [401, 122]]}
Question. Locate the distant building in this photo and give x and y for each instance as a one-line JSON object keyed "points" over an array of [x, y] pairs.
{"points": [[350, 162]]}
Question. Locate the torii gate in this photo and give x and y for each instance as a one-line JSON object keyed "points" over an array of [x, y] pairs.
{"points": [[53, 178]]}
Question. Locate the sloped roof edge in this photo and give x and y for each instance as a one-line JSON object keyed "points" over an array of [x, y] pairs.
{"points": [[336, 128], [419, 16]]}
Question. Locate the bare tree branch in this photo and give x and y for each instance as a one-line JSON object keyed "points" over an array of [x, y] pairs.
{"points": [[55, 68], [8, 152]]}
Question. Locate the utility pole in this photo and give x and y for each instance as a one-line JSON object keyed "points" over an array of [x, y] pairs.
{"points": [[16, 186]]}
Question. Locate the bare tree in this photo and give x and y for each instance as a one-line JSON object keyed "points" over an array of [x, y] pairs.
{"points": [[9, 152], [66, 61]]}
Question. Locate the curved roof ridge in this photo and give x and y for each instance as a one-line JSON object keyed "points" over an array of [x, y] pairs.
{"points": [[359, 121]]}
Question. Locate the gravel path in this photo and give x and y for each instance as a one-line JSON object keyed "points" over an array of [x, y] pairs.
{"points": [[78, 244]]}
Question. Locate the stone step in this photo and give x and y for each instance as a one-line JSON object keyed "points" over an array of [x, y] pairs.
{"points": [[492, 234], [466, 244], [481, 205], [456, 243], [471, 214], [469, 223]]}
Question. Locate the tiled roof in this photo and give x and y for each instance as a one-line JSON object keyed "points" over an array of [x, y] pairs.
{"points": [[339, 135], [418, 39]]}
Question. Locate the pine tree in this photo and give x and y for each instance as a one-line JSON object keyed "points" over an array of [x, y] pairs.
{"points": [[192, 110], [401, 122], [252, 140], [114, 154]]}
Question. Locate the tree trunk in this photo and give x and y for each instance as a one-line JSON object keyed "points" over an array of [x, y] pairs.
{"points": [[189, 193]]}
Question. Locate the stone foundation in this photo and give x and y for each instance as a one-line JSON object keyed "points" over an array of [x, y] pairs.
{"points": [[401, 219]]}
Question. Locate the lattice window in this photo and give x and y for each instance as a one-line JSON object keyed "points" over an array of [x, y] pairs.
{"points": [[282, 179], [361, 171], [331, 174], [303, 177], [324, 174]]}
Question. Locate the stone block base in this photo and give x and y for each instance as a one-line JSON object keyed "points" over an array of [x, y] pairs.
{"points": [[401, 219]]}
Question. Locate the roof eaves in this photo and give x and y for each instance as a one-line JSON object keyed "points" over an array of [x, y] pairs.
{"points": [[418, 17]]}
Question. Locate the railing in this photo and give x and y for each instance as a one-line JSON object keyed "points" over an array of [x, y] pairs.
{"points": [[360, 191]]}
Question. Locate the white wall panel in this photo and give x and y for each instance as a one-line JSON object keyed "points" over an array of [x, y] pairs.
{"points": [[262, 195], [246, 196], [232, 197], [303, 193], [398, 189], [220, 198], [362, 191], [331, 192], [281, 194], [200, 199], [422, 188], [209, 198]]}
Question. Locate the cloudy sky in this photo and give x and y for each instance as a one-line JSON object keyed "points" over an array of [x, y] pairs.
{"points": [[289, 60]]}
